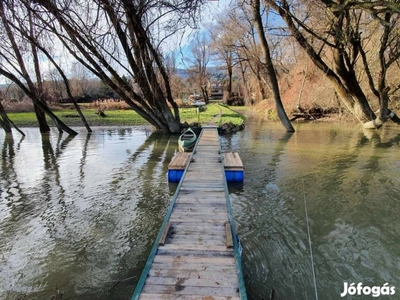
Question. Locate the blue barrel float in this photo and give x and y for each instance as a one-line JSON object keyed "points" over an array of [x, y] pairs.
{"points": [[232, 163]]}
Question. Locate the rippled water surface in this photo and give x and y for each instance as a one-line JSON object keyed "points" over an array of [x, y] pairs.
{"points": [[350, 182], [78, 216]]}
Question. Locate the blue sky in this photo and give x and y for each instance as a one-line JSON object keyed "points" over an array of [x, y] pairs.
{"points": [[210, 12], [180, 45]]}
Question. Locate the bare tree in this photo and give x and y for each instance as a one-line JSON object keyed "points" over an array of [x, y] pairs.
{"points": [[223, 47], [270, 75], [246, 47], [201, 56], [14, 63], [336, 36], [112, 38]]}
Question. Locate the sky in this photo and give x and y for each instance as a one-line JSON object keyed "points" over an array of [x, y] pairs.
{"points": [[211, 11], [179, 45]]}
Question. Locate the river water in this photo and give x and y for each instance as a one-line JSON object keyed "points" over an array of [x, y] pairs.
{"points": [[318, 208]]}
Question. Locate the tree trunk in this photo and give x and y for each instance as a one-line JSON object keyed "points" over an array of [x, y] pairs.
{"points": [[247, 95], [344, 80], [41, 118], [143, 59], [4, 121], [34, 92], [269, 68], [230, 71], [354, 99], [67, 85], [204, 93]]}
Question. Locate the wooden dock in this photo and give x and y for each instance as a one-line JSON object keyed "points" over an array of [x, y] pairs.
{"points": [[234, 171], [196, 254]]}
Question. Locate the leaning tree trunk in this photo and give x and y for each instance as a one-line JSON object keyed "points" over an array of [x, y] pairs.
{"points": [[344, 81], [6, 123], [354, 99], [67, 86], [41, 118], [57, 122], [269, 68], [28, 85]]}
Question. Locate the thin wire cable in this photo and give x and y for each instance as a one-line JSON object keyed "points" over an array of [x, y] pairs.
{"points": [[309, 243]]}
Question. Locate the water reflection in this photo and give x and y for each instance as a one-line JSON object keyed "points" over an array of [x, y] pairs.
{"points": [[79, 215]]}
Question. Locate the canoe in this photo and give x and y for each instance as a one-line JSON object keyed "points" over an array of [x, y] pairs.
{"points": [[187, 140]]}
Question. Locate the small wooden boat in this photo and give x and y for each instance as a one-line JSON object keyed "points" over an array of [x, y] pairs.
{"points": [[187, 140]]}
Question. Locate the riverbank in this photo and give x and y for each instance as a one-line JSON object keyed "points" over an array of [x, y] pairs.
{"points": [[215, 114], [308, 113]]}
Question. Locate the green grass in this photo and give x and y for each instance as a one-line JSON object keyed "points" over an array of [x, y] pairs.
{"points": [[23, 119], [71, 118], [215, 114]]}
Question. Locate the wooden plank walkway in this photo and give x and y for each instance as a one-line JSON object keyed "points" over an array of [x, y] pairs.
{"points": [[195, 256]]}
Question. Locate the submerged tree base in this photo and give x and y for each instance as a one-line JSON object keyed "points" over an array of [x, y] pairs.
{"points": [[378, 122]]}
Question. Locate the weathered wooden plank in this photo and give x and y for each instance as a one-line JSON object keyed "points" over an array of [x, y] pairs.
{"points": [[204, 228], [198, 240], [212, 269], [194, 259], [198, 201], [191, 179], [216, 235], [193, 192], [196, 181], [194, 247], [183, 297], [186, 224], [208, 272], [164, 233], [191, 189], [208, 253], [206, 158], [220, 205], [201, 212], [201, 231], [204, 173], [191, 290], [210, 162], [202, 184], [203, 195], [179, 161], [193, 281], [228, 233], [232, 160], [198, 219], [193, 183], [209, 142], [200, 209], [201, 198]]}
